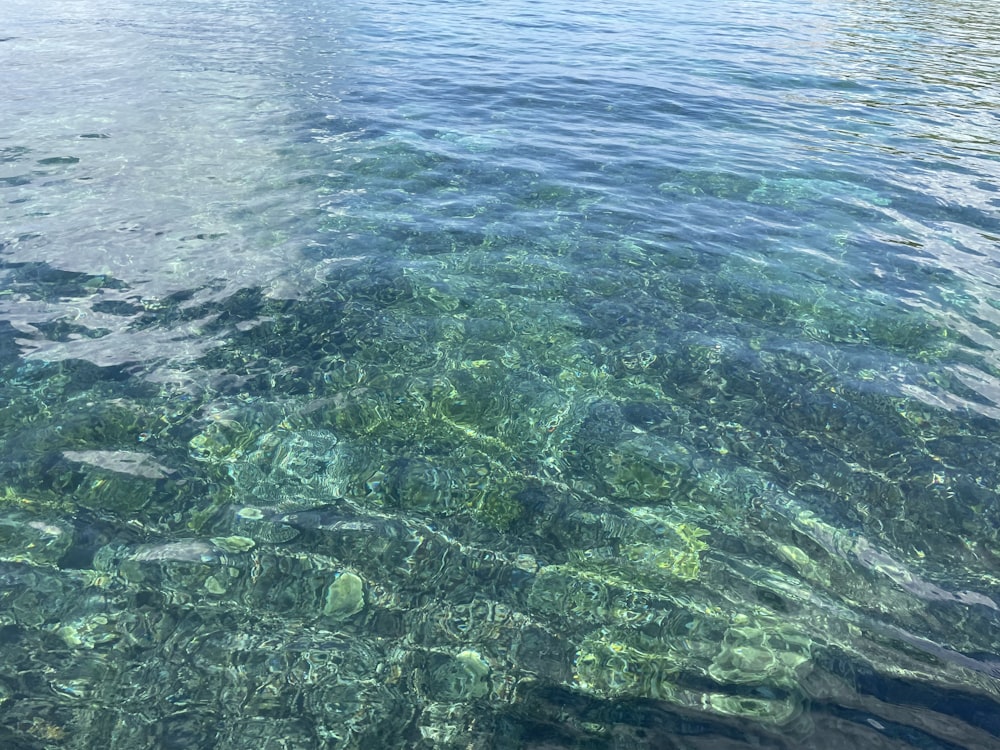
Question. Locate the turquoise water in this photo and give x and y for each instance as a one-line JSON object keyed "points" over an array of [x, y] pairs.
{"points": [[499, 375]]}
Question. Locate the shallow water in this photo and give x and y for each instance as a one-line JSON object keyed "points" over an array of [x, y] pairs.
{"points": [[499, 375]]}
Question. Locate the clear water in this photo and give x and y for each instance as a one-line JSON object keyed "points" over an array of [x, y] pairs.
{"points": [[499, 375]]}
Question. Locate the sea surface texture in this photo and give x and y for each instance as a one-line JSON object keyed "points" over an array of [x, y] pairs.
{"points": [[419, 374]]}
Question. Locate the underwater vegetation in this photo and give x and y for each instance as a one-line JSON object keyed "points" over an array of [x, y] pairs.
{"points": [[408, 524], [378, 383]]}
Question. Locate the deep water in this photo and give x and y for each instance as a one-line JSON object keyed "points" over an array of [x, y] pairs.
{"points": [[499, 375]]}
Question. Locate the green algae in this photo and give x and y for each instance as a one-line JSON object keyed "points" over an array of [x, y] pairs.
{"points": [[588, 493], [467, 458], [498, 507]]}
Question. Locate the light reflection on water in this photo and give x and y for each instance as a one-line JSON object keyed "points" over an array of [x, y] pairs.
{"points": [[499, 375]]}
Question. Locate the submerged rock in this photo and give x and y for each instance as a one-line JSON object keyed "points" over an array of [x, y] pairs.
{"points": [[344, 597]]}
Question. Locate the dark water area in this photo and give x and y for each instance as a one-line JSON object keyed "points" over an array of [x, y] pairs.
{"points": [[499, 375]]}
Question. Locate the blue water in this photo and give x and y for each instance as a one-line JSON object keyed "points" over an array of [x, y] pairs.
{"points": [[499, 375]]}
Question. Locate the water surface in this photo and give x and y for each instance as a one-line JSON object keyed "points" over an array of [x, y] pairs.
{"points": [[499, 375]]}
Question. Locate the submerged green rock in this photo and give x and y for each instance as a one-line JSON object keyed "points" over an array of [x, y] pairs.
{"points": [[344, 597]]}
